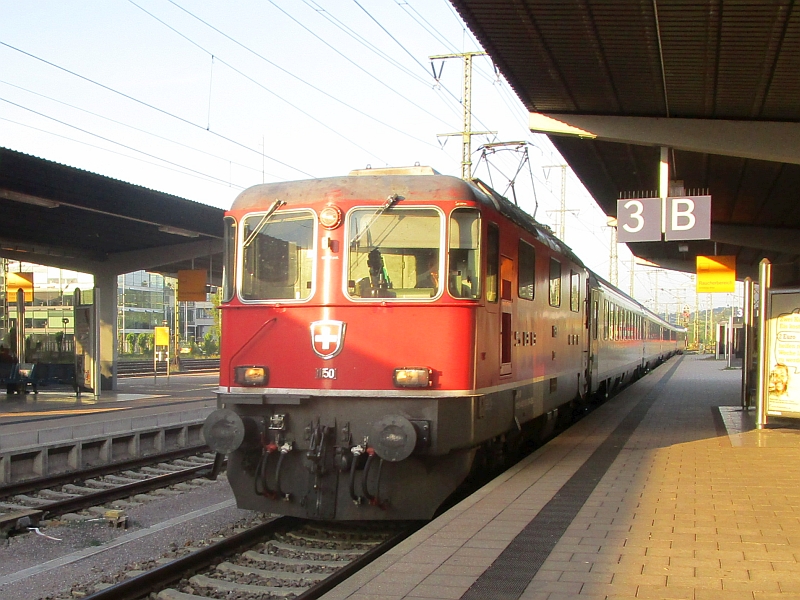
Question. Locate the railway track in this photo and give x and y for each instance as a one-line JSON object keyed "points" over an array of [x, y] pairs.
{"points": [[23, 505], [130, 368], [283, 558]]}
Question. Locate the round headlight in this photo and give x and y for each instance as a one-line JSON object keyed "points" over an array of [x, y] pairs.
{"points": [[330, 217]]}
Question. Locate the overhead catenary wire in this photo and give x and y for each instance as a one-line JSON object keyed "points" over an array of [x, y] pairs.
{"points": [[407, 51], [269, 90], [372, 75], [153, 107], [139, 129], [105, 139], [180, 170], [447, 101], [285, 71]]}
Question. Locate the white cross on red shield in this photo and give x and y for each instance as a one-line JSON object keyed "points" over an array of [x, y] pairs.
{"points": [[327, 337]]}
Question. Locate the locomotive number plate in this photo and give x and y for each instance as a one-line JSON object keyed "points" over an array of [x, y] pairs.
{"points": [[326, 373]]}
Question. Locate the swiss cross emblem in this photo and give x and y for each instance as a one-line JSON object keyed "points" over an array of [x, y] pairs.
{"points": [[327, 338]]}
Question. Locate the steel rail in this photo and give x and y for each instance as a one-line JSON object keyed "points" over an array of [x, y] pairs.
{"points": [[155, 579], [31, 485]]}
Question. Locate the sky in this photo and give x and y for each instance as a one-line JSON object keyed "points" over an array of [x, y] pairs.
{"points": [[203, 99]]}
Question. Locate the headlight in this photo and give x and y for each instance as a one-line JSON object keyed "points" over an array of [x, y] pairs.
{"points": [[252, 376], [330, 217], [414, 377]]}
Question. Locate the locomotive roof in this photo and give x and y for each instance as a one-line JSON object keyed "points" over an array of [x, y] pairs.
{"points": [[423, 187]]}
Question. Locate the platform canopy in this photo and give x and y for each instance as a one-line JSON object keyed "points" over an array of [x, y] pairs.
{"points": [[717, 81], [61, 216]]}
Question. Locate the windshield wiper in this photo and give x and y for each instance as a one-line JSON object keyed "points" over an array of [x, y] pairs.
{"points": [[390, 202], [267, 216]]}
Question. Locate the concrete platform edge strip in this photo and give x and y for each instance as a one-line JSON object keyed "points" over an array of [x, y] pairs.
{"points": [[82, 446]]}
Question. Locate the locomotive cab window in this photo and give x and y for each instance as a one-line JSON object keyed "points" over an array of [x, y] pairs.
{"points": [[492, 261], [277, 255], [394, 254], [555, 282], [463, 280], [527, 271], [229, 259]]}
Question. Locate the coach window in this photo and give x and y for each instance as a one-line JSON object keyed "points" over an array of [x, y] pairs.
{"points": [[555, 282], [574, 291], [605, 319], [463, 279], [395, 253], [277, 255], [526, 276], [228, 259], [492, 261]]}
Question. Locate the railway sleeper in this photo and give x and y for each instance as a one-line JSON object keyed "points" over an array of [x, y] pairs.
{"points": [[290, 562], [203, 581], [226, 567]]}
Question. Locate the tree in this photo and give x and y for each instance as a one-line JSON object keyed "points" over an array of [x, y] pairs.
{"points": [[210, 344], [132, 339]]}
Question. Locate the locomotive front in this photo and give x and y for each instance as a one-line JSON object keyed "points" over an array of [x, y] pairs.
{"points": [[348, 345]]}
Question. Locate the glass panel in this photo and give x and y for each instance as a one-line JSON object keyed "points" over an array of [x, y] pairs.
{"points": [[228, 259], [492, 261], [278, 261], [527, 271], [574, 291], [464, 250], [555, 282], [395, 254]]}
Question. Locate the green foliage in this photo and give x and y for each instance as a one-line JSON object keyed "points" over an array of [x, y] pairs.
{"points": [[132, 338], [210, 344]]}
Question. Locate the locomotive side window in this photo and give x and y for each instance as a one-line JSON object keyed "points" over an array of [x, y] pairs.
{"points": [[527, 271], [228, 259], [277, 256], [555, 282], [464, 254], [492, 261], [574, 291], [394, 254]]}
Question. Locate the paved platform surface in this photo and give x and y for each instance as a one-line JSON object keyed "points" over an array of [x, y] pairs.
{"points": [[658, 494]]}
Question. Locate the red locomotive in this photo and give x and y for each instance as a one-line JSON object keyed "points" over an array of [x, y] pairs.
{"points": [[381, 330]]}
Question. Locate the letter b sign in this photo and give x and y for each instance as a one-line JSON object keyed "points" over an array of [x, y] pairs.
{"points": [[688, 218]]}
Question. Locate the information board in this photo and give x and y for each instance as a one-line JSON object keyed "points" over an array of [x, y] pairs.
{"points": [[783, 353]]}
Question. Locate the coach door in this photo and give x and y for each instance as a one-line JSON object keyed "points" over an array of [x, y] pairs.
{"points": [[506, 313], [594, 300]]}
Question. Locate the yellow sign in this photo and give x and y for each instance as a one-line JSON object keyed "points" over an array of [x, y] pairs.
{"points": [[716, 274], [191, 286], [162, 336], [17, 281]]}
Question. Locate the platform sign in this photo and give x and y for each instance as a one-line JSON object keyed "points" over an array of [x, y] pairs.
{"points": [[783, 353], [639, 220], [19, 281], [716, 274], [688, 218], [162, 336], [684, 218], [192, 286]]}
